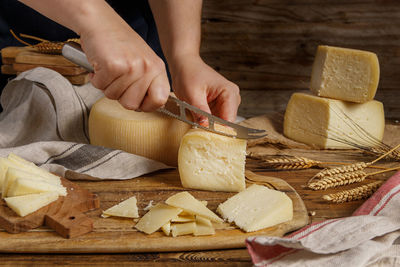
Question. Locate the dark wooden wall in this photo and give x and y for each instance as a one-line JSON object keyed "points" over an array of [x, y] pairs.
{"points": [[267, 47]]}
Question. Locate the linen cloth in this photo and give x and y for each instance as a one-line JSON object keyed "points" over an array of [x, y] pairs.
{"points": [[370, 237], [45, 121]]}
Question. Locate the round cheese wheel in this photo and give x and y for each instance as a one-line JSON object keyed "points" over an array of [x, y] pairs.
{"points": [[149, 134]]}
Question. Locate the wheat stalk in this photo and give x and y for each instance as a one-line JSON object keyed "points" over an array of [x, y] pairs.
{"points": [[338, 180], [294, 163], [357, 193]]}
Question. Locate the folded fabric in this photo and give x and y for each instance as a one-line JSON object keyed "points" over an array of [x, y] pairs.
{"points": [[45, 121], [370, 237]]}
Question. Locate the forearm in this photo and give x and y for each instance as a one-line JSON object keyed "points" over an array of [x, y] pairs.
{"points": [[179, 26], [79, 16]]}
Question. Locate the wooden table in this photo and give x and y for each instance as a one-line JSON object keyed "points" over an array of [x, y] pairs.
{"points": [[231, 257]]}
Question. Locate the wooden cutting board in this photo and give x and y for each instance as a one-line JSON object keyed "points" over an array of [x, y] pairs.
{"points": [[65, 215], [118, 235]]}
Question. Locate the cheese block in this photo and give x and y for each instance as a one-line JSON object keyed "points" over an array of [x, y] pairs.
{"points": [[24, 205], [256, 208], [149, 134], [157, 217], [127, 208], [26, 186], [213, 162], [329, 123], [345, 74], [189, 204], [183, 229]]}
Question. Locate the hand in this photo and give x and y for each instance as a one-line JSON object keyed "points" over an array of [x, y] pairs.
{"points": [[201, 86], [125, 67]]}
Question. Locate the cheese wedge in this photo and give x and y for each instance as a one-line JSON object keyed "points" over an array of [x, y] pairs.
{"points": [[256, 208], [157, 217], [203, 229], [183, 228], [24, 205], [345, 74], [26, 186], [329, 123], [18, 173], [149, 134], [211, 161], [202, 220], [189, 204], [127, 208], [183, 218]]}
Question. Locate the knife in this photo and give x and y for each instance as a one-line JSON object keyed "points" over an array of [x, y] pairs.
{"points": [[73, 52]]}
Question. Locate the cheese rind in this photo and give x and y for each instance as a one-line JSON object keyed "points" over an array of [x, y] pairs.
{"points": [[213, 162], [24, 205], [189, 204], [329, 123], [156, 217], [256, 208], [148, 134], [127, 208], [345, 74]]}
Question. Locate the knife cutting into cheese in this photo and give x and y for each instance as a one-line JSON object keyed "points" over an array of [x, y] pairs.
{"points": [[73, 52]]}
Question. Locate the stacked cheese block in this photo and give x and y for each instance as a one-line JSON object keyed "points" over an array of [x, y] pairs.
{"points": [[18, 59], [25, 187], [342, 113]]}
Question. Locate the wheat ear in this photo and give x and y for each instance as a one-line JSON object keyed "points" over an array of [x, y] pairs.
{"points": [[357, 193], [294, 163]]}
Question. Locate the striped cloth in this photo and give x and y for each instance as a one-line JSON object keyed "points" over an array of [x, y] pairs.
{"points": [[45, 121], [370, 237]]}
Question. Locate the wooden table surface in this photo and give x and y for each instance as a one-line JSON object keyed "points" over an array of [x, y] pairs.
{"points": [[231, 257]]}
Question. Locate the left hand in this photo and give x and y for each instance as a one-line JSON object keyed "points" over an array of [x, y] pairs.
{"points": [[196, 83]]}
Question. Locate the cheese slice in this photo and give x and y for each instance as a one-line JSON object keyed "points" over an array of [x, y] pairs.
{"points": [[184, 218], [256, 208], [183, 229], [189, 204], [202, 220], [329, 123], [157, 217], [24, 205], [148, 134], [166, 228], [345, 74], [26, 186], [203, 229], [127, 208], [18, 173], [211, 161]]}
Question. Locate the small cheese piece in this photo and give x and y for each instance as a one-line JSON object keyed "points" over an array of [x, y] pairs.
{"points": [[127, 208], [166, 228], [329, 123], [256, 208], [156, 217], [183, 229], [213, 162], [203, 229], [202, 220], [24, 205], [345, 74], [189, 204], [25, 186], [184, 218], [148, 134]]}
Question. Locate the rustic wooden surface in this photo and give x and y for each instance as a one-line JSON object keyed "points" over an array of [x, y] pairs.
{"points": [[267, 47], [118, 235]]}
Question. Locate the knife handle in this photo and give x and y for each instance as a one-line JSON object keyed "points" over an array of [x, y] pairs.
{"points": [[73, 52]]}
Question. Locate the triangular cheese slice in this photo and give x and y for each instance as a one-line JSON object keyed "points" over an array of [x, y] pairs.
{"points": [[25, 186], [188, 203], [24, 205], [127, 208]]}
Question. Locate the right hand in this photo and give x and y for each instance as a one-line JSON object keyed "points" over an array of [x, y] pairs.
{"points": [[125, 67]]}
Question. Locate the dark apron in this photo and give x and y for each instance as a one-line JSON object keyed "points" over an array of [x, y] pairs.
{"points": [[22, 19]]}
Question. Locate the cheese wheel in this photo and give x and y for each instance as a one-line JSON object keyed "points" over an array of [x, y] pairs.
{"points": [[329, 123], [345, 74], [149, 134]]}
